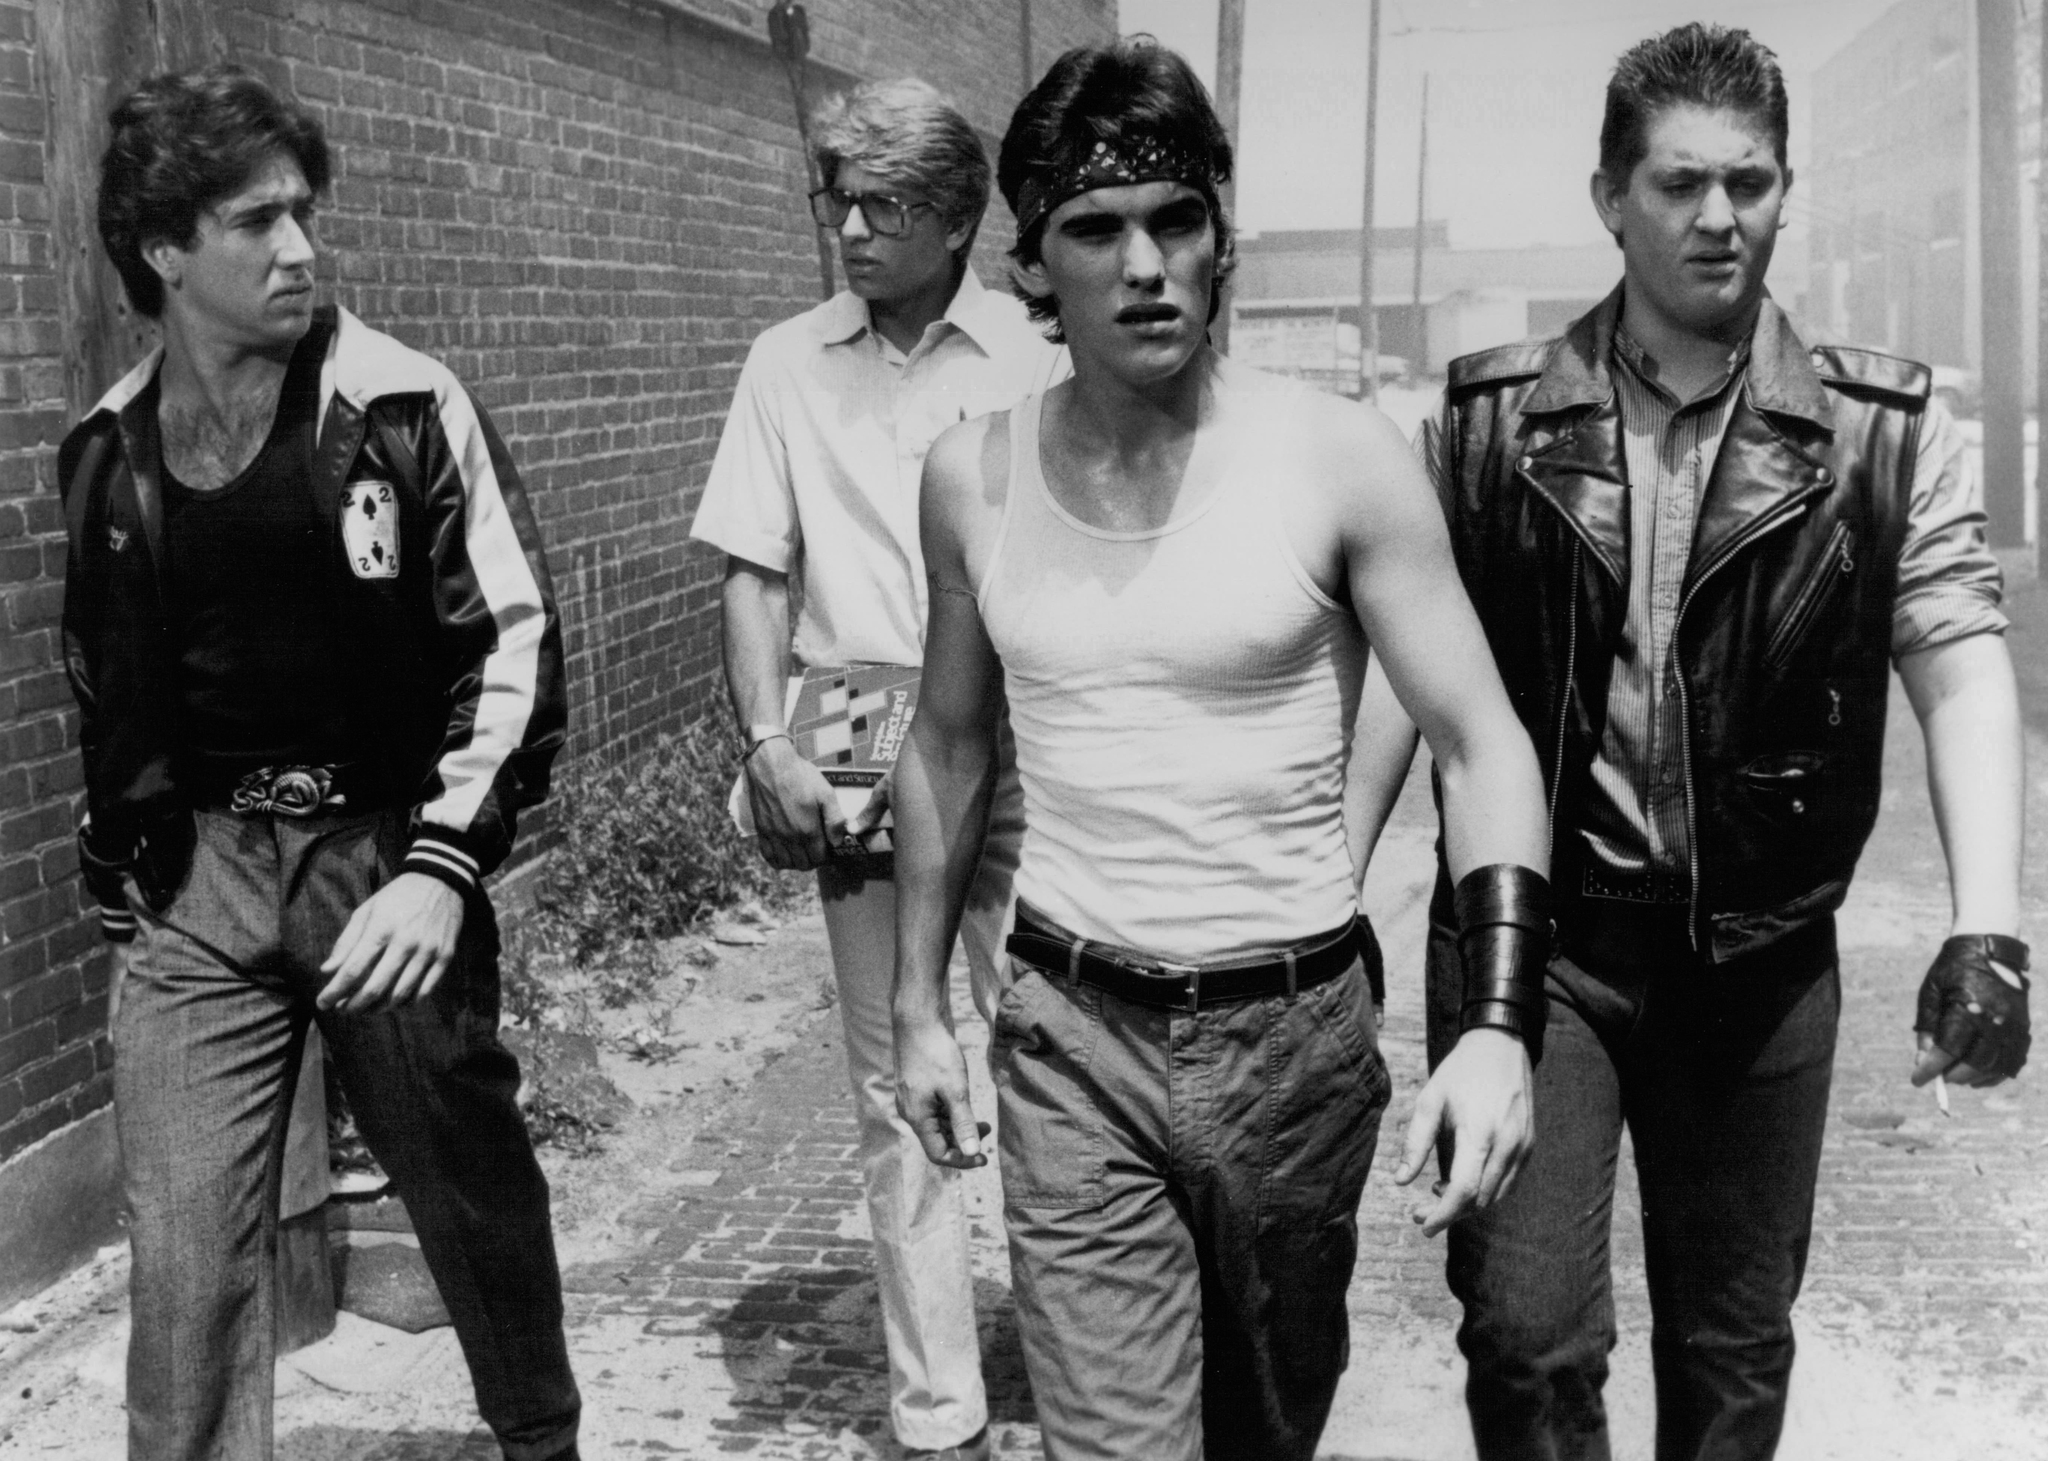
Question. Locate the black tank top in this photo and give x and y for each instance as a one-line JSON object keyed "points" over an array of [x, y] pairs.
{"points": [[252, 608]]}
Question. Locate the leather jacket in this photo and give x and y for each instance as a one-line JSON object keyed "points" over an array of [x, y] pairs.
{"points": [[454, 648], [1784, 624]]}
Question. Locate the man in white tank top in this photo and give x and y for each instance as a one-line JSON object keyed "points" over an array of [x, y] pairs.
{"points": [[1170, 565]]}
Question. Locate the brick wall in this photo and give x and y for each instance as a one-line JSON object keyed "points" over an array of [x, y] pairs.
{"points": [[54, 1059], [588, 209]]}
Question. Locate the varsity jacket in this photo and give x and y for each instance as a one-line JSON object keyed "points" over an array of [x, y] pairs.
{"points": [[454, 650], [1783, 639]]}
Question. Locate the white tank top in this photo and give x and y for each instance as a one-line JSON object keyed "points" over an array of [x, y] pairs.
{"points": [[1183, 700]]}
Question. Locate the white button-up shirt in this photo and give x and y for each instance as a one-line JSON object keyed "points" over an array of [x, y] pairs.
{"points": [[818, 468]]}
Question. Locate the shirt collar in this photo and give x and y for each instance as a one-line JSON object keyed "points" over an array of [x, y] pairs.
{"points": [[1639, 363], [974, 311]]}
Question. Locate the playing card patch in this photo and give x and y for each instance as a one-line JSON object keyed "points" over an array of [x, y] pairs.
{"points": [[369, 529]]}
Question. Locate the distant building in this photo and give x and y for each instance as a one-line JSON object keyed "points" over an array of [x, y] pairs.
{"points": [[1891, 190], [1294, 303]]}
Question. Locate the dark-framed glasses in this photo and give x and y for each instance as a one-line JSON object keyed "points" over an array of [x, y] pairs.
{"points": [[886, 215]]}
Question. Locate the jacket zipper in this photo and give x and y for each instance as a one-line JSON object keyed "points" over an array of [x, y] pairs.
{"points": [[1692, 825], [1564, 704], [1838, 561]]}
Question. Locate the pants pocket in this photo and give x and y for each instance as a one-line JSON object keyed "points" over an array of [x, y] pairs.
{"points": [[1051, 1138]]}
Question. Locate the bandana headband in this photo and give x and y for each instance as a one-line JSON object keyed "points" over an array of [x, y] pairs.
{"points": [[1108, 165]]}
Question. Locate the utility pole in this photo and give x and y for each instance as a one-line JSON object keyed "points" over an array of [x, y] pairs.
{"points": [[2004, 364], [2041, 323], [1368, 317], [1030, 71], [789, 34], [1229, 85], [1421, 363]]}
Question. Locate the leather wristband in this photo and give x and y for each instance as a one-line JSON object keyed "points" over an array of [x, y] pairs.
{"points": [[1504, 932], [1971, 1011]]}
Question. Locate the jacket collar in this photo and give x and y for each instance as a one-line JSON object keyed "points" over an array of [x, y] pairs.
{"points": [[974, 311], [1780, 377]]}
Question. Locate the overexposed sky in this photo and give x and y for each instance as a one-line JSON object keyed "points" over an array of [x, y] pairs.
{"points": [[1515, 91]]}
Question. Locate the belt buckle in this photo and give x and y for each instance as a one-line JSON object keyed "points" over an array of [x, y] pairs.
{"points": [[1194, 974], [286, 791]]}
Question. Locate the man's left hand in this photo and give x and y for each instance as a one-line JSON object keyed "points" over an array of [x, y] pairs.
{"points": [[1972, 1017], [1483, 1097], [396, 947], [875, 811]]}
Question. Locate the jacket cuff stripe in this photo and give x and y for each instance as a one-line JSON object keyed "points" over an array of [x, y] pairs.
{"points": [[439, 860], [117, 925]]}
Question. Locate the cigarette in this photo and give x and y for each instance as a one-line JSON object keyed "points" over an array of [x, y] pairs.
{"points": [[1941, 1097]]}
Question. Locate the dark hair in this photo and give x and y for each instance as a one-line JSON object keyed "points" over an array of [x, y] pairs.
{"points": [[180, 144], [1127, 92], [1693, 65]]}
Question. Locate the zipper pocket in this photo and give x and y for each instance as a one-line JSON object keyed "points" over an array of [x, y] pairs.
{"points": [[1837, 562]]}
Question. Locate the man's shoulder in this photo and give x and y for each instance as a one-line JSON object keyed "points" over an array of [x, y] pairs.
{"points": [[1503, 365], [363, 364], [1887, 379]]}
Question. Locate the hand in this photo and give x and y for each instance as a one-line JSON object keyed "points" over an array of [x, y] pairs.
{"points": [[1972, 1017], [1483, 1097], [796, 812], [931, 1094], [396, 947], [877, 807]]}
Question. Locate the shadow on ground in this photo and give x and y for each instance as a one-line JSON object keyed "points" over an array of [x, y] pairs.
{"points": [[346, 1443], [804, 1349]]}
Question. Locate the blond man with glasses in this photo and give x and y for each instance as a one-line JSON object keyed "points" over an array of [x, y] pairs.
{"points": [[817, 477]]}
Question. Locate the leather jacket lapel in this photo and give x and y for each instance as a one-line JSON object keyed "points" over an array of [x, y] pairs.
{"points": [[141, 444]]}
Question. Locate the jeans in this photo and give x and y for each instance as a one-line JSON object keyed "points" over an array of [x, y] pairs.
{"points": [[1721, 1074], [1181, 1192], [212, 1024]]}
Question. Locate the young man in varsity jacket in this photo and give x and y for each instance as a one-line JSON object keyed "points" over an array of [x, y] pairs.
{"points": [[1698, 548], [318, 669]]}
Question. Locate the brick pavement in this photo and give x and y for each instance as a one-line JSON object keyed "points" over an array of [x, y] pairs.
{"points": [[748, 1300]]}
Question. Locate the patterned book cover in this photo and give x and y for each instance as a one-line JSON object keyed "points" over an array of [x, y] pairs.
{"points": [[850, 722]]}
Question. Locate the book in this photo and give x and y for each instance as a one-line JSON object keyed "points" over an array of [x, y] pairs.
{"points": [[851, 722]]}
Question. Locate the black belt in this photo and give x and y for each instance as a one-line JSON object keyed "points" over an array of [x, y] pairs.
{"points": [[1045, 945], [1643, 887]]}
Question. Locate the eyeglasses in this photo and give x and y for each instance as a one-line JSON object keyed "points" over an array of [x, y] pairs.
{"points": [[887, 216]]}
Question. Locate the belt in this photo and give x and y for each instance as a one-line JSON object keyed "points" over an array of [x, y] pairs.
{"points": [[1045, 945], [291, 791], [1644, 887]]}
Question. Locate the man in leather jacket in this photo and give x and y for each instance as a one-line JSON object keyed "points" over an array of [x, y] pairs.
{"points": [[1698, 547], [318, 669]]}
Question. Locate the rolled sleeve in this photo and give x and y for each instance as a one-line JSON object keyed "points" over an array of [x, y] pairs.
{"points": [[749, 506], [1949, 584]]}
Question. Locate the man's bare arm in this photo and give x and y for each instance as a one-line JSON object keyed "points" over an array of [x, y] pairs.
{"points": [[1405, 588], [1382, 749], [943, 782], [796, 814], [1968, 707]]}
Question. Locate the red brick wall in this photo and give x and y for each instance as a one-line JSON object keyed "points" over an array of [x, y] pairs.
{"points": [[588, 209]]}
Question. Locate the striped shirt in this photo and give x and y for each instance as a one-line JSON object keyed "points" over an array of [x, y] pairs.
{"points": [[1634, 819]]}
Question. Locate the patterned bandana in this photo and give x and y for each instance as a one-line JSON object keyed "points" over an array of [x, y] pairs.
{"points": [[1112, 165]]}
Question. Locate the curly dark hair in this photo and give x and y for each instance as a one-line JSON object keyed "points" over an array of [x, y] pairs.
{"points": [[1692, 65], [1127, 92], [182, 142]]}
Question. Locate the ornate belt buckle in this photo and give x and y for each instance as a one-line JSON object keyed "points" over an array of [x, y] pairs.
{"points": [[286, 791]]}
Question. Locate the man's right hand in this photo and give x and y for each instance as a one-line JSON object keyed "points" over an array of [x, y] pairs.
{"points": [[931, 1093], [796, 811], [1483, 1096]]}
